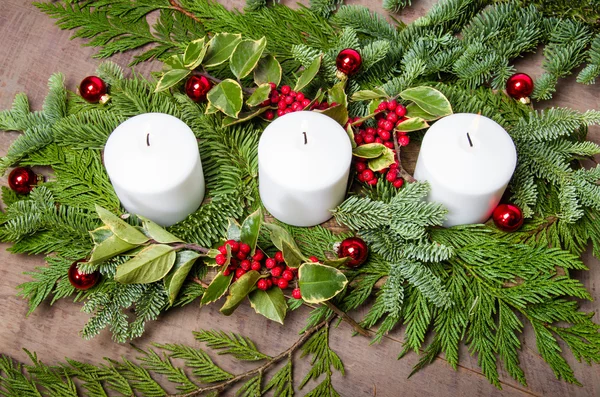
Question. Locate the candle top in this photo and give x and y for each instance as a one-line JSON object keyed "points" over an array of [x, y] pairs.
{"points": [[470, 152], [150, 152], [305, 150]]}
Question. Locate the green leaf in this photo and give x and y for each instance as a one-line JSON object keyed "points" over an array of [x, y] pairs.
{"points": [[194, 53], [308, 74], [234, 230], [171, 78], [412, 124], [370, 150], [268, 70], [292, 256], [239, 290], [337, 262], [339, 113], [374, 105], [319, 283], [216, 289], [279, 235], [251, 229], [150, 265], [382, 162], [174, 280], [220, 48], [175, 62], [243, 117], [227, 97], [120, 228], [337, 94], [350, 132], [109, 248], [101, 234], [429, 99], [270, 303], [412, 110], [246, 56], [366, 95], [211, 109], [260, 94], [157, 233]]}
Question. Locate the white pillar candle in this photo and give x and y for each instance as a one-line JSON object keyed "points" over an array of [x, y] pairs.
{"points": [[154, 165], [468, 160], [303, 162]]}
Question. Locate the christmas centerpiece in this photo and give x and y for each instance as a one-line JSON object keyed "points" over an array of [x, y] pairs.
{"points": [[160, 188]]}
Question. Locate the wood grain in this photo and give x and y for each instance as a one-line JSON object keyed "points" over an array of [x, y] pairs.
{"points": [[32, 48]]}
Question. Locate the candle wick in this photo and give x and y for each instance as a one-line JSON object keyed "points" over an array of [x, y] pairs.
{"points": [[305, 138], [148, 139], [469, 138]]}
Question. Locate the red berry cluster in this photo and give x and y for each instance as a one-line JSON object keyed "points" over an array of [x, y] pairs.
{"points": [[242, 262], [288, 101], [390, 114]]}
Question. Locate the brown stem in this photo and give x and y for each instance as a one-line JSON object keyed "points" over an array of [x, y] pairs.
{"points": [[178, 7], [347, 319], [287, 353], [198, 281], [188, 246], [403, 173]]}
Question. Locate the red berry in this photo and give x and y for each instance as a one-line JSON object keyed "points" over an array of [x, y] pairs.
{"points": [[280, 112], [368, 174], [313, 259], [273, 85], [269, 283], [282, 105], [258, 256], [360, 167], [265, 103], [282, 283], [392, 117], [388, 125], [296, 294], [240, 255], [392, 105], [385, 135], [388, 144], [296, 106], [245, 248], [300, 96], [372, 182], [220, 259], [287, 275], [360, 177], [222, 249], [262, 284], [287, 111], [226, 272], [286, 89], [358, 139], [274, 280], [380, 123], [270, 263], [400, 110], [275, 99], [378, 140], [369, 138], [305, 103], [255, 265], [293, 93], [382, 106], [279, 256], [239, 273], [398, 183], [391, 175], [235, 246], [403, 140], [289, 99], [394, 165], [269, 115], [245, 264], [276, 271]]}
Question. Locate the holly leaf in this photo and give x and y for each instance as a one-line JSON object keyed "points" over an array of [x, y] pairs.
{"points": [[157, 233], [171, 78], [234, 230], [175, 62], [210, 109], [292, 256], [150, 265], [374, 106], [318, 97], [367, 117], [339, 113], [251, 229], [350, 132], [246, 55], [308, 74], [337, 262], [243, 117], [109, 246], [184, 261], [260, 94], [267, 71], [120, 228], [337, 94], [227, 97], [194, 53], [412, 110], [412, 124], [382, 162], [429, 99], [239, 290], [270, 303], [279, 235], [370, 150], [216, 289], [220, 48], [319, 283], [366, 95]]}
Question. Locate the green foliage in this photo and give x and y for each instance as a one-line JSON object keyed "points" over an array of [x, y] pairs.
{"points": [[395, 5], [240, 347]]}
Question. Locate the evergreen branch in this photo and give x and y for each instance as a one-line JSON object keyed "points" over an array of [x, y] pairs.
{"points": [[240, 347]]}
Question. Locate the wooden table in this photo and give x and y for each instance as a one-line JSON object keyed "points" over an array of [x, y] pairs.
{"points": [[31, 48]]}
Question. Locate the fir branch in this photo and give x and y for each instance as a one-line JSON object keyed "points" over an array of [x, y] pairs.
{"points": [[395, 6], [240, 347]]}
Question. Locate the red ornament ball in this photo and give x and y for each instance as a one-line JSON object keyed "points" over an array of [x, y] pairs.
{"points": [[197, 87], [80, 280], [92, 89], [348, 61], [22, 180], [355, 248], [508, 217], [519, 86]]}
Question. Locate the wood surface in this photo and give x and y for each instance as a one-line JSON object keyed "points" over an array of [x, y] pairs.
{"points": [[31, 48]]}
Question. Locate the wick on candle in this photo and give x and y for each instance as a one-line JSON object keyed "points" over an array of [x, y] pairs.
{"points": [[469, 138], [305, 138], [148, 139]]}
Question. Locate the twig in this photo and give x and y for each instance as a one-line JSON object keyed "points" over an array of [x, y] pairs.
{"points": [[178, 7], [198, 281], [347, 319], [287, 353], [193, 247], [403, 173]]}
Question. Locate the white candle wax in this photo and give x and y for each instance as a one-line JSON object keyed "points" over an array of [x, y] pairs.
{"points": [[303, 161], [468, 161], [154, 165]]}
